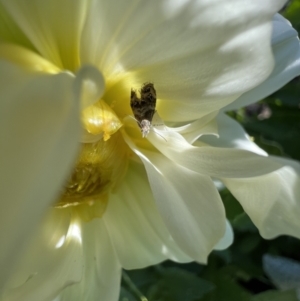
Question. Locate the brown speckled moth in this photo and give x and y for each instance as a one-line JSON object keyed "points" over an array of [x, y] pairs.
{"points": [[143, 108]]}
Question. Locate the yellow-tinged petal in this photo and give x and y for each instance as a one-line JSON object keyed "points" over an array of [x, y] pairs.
{"points": [[144, 238], [53, 27], [10, 32], [26, 58], [52, 260], [102, 270], [39, 130], [201, 55]]}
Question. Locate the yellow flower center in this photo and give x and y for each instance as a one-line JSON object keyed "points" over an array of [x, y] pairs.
{"points": [[103, 159], [101, 164]]}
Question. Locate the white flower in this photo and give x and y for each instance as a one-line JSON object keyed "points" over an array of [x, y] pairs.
{"points": [[132, 201]]}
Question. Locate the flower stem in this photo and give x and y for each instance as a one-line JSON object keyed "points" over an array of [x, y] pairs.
{"points": [[133, 287]]}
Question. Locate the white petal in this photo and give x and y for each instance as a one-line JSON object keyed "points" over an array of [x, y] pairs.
{"points": [[188, 202], [39, 130], [201, 55], [286, 49], [53, 27], [272, 201], [206, 125], [52, 261], [89, 85], [232, 135], [137, 231], [102, 271], [227, 239], [213, 161]]}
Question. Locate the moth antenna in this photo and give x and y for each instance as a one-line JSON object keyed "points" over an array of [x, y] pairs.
{"points": [[154, 130], [134, 119]]}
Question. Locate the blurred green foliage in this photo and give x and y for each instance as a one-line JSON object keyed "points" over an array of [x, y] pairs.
{"points": [[235, 274], [291, 12]]}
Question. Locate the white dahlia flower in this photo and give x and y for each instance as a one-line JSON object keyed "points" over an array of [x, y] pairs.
{"points": [[67, 68]]}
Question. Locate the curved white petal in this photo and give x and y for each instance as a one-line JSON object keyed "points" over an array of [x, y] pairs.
{"points": [[188, 202], [272, 201], [52, 261], [286, 50], [39, 130], [53, 27], [201, 55], [137, 231], [212, 161], [89, 85], [206, 125], [232, 135], [102, 271], [227, 239]]}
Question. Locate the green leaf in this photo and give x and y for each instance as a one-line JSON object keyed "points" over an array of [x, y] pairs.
{"points": [[133, 290], [283, 130], [125, 295], [270, 146], [142, 278], [276, 296], [243, 223], [232, 206], [280, 132], [287, 96], [179, 285], [292, 13], [248, 243], [227, 289]]}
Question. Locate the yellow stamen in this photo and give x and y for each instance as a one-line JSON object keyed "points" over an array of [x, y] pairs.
{"points": [[101, 119], [100, 166]]}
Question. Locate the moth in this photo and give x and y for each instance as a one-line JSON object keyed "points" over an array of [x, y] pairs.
{"points": [[143, 107]]}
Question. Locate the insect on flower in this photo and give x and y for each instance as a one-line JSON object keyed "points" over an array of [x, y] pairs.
{"points": [[143, 108]]}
